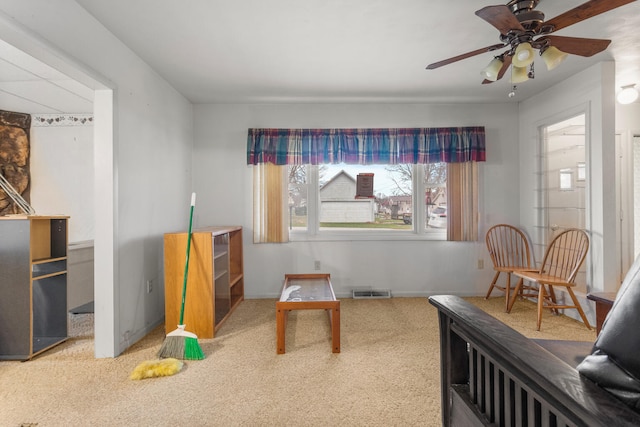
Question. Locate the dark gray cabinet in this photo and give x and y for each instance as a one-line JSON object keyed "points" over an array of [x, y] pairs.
{"points": [[33, 284]]}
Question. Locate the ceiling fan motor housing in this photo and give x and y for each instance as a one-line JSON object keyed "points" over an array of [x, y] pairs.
{"points": [[531, 20], [518, 6], [528, 17]]}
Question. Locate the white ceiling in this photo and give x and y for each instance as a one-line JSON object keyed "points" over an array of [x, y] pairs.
{"points": [[217, 51], [29, 86]]}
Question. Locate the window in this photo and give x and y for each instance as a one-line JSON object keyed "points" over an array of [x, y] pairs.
{"points": [[306, 181], [391, 211], [566, 179], [298, 196]]}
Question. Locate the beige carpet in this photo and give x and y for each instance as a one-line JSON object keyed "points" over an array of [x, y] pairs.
{"points": [[386, 375]]}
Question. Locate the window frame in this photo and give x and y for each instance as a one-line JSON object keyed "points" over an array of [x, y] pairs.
{"points": [[314, 233]]}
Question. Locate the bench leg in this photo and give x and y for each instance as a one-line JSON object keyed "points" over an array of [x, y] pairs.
{"points": [[335, 329], [281, 321]]}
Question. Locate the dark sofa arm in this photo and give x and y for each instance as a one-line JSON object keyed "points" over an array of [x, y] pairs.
{"points": [[491, 374]]}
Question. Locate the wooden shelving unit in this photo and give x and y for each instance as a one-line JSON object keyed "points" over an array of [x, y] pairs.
{"points": [[33, 282], [215, 283]]}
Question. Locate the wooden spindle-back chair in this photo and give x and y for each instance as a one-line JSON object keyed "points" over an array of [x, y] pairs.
{"points": [[509, 251], [562, 260]]}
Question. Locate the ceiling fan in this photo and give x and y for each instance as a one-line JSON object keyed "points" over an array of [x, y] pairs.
{"points": [[523, 29]]}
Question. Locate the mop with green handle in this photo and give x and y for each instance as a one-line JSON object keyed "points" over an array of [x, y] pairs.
{"points": [[181, 344]]}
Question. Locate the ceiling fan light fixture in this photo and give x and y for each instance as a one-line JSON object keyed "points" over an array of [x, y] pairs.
{"points": [[628, 94], [523, 55], [519, 74], [552, 57], [491, 71]]}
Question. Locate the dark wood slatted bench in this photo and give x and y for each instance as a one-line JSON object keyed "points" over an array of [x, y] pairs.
{"points": [[493, 375]]}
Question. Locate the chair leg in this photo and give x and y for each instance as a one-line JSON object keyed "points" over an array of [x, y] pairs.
{"points": [[554, 301], [579, 308], [541, 297], [515, 294], [507, 292], [493, 283]]}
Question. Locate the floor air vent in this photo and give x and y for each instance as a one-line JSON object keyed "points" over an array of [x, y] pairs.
{"points": [[370, 293]]}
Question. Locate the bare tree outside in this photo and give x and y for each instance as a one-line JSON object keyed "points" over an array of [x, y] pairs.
{"points": [[435, 176], [298, 193], [435, 183], [297, 174], [435, 180], [401, 175]]}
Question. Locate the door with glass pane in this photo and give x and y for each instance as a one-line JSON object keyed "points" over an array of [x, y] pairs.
{"points": [[563, 184]]}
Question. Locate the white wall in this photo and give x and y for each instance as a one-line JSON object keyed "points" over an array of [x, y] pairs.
{"points": [[62, 176], [224, 183], [628, 127], [152, 127], [628, 117], [80, 277]]}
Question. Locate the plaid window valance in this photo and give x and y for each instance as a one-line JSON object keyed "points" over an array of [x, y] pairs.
{"points": [[366, 146]]}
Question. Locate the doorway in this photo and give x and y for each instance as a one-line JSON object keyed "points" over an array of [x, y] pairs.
{"points": [[563, 184], [105, 291]]}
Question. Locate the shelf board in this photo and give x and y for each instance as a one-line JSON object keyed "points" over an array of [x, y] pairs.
{"points": [[41, 344], [45, 276], [235, 279], [235, 302], [47, 260], [219, 255], [219, 275]]}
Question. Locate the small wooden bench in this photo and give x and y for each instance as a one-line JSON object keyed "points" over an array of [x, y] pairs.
{"points": [[307, 292]]}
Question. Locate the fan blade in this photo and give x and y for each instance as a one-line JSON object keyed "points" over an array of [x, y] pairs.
{"points": [[501, 18], [577, 45], [465, 56], [505, 66], [584, 11], [506, 62]]}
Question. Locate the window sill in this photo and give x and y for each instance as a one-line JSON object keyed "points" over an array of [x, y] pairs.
{"points": [[379, 235]]}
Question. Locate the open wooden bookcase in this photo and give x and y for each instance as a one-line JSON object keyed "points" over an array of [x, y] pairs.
{"points": [[215, 282]]}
